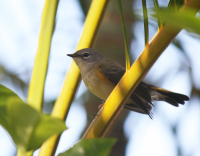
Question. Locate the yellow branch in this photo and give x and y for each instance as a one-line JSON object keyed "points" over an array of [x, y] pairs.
{"points": [[36, 87], [23, 153], [113, 105], [72, 79]]}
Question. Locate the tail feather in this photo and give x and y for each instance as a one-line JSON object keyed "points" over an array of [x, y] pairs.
{"points": [[168, 96], [134, 108], [171, 101], [180, 98], [141, 103]]}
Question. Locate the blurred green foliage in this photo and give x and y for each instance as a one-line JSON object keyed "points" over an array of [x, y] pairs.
{"points": [[27, 127], [184, 19], [91, 147]]}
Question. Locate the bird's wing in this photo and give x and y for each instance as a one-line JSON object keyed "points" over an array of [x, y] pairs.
{"points": [[114, 72]]}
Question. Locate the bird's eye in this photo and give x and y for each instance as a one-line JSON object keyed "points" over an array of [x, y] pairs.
{"points": [[86, 54]]}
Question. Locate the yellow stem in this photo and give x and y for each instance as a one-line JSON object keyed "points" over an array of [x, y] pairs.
{"points": [[113, 105], [72, 79], [24, 153], [36, 87]]}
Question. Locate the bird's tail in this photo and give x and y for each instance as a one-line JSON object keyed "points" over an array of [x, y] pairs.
{"points": [[160, 94]]}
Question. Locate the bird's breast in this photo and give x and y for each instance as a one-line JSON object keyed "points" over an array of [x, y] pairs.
{"points": [[97, 83]]}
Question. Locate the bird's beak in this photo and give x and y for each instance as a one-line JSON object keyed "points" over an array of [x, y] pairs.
{"points": [[72, 55]]}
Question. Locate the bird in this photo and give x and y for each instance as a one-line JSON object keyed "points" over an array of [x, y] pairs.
{"points": [[101, 75]]}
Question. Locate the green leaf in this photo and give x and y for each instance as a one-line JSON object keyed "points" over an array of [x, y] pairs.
{"points": [[177, 43], [5, 95], [175, 5], [46, 127], [91, 147], [145, 16], [184, 19], [27, 127], [125, 35], [157, 8]]}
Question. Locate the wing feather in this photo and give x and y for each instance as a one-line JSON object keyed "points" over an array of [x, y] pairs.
{"points": [[114, 72]]}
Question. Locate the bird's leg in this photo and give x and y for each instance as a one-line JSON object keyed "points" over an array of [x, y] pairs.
{"points": [[94, 115], [99, 107]]}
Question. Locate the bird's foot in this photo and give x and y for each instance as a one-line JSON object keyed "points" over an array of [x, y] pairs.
{"points": [[99, 107]]}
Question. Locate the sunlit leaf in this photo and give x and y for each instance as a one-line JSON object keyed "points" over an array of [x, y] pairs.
{"points": [[27, 127], [183, 19], [46, 127], [91, 147]]}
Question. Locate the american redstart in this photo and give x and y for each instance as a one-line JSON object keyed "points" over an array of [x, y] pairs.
{"points": [[101, 75]]}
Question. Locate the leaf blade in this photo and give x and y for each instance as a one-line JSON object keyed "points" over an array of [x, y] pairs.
{"points": [[91, 147], [27, 126], [46, 127], [184, 19], [160, 25], [145, 16], [125, 35]]}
